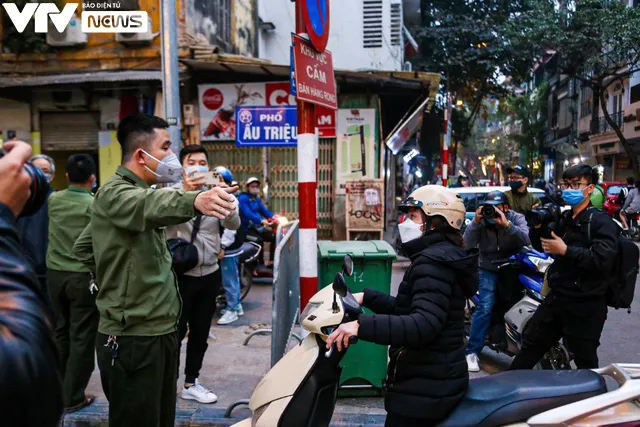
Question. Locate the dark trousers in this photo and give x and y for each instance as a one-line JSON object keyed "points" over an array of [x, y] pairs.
{"points": [[76, 325], [198, 306], [580, 323], [140, 383], [394, 420]]}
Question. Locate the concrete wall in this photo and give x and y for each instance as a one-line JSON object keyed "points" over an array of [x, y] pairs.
{"points": [[345, 40]]}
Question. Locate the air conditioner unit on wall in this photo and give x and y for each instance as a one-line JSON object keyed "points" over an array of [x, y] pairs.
{"points": [[71, 36], [136, 38]]}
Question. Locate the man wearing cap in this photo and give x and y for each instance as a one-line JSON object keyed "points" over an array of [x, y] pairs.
{"points": [[497, 236], [520, 199]]}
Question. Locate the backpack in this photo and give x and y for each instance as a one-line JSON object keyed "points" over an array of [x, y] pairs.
{"points": [[184, 254], [625, 270]]}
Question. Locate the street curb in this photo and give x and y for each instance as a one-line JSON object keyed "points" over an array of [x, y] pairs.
{"points": [[198, 415]]}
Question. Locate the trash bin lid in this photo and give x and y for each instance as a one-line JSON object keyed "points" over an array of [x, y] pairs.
{"points": [[357, 249]]}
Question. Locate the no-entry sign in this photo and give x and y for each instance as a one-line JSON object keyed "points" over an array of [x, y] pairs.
{"points": [[315, 82]]}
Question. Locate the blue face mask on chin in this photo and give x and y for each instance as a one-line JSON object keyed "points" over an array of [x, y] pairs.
{"points": [[573, 197], [491, 221]]}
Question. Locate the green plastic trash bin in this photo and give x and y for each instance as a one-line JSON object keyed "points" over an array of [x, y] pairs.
{"points": [[364, 367]]}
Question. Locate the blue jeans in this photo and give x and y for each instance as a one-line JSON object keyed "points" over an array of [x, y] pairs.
{"points": [[482, 315], [231, 281]]}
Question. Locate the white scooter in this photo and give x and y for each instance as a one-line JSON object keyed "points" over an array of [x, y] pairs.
{"points": [[301, 389]]}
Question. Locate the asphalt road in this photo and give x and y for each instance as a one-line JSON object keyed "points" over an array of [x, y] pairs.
{"points": [[620, 342]]}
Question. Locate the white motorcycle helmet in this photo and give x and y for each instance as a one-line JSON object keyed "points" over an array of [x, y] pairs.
{"points": [[435, 200]]}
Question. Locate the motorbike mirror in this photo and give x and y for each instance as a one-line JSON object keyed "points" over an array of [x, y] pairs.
{"points": [[340, 285], [347, 265]]}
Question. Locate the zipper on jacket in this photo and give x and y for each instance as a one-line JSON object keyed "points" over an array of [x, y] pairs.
{"points": [[395, 367]]}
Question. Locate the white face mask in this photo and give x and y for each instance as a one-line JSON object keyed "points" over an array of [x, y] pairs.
{"points": [[169, 169], [410, 230]]}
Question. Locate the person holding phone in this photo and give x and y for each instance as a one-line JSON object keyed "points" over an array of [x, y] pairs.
{"points": [[200, 285]]}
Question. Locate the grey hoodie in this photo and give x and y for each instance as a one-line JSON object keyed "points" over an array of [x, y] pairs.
{"points": [[207, 240], [495, 242]]}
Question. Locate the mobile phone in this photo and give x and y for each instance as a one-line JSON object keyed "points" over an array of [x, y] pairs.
{"points": [[213, 178]]}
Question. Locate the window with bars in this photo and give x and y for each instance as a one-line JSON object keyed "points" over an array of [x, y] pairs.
{"points": [[396, 24], [222, 18], [586, 102], [372, 24]]}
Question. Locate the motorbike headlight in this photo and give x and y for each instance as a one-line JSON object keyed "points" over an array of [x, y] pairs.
{"points": [[541, 264], [309, 309]]}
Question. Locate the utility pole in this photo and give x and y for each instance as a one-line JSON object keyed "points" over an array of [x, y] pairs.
{"points": [[170, 80], [307, 187]]}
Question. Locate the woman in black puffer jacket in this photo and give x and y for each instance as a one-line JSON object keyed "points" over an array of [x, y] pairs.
{"points": [[424, 325]]}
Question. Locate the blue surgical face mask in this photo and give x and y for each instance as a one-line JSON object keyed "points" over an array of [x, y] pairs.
{"points": [[196, 169], [573, 197], [491, 221]]}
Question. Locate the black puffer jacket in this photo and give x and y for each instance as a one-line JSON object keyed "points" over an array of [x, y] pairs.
{"points": [[424, 325]]}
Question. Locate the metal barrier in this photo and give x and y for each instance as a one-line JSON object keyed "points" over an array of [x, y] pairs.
{"points": [[286, 297], [286, 291]]}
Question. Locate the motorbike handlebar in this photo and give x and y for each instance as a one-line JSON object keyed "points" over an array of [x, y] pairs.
{"points": [[501, 261]]}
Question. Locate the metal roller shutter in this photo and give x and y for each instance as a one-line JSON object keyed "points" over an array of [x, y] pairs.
{"points": [[69, 131]]}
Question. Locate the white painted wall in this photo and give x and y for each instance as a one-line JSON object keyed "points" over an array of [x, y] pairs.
{"points": [[346, 41]]}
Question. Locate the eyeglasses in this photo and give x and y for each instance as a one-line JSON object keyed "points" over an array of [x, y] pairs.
{"points": [[515, 178], [573, 185]]}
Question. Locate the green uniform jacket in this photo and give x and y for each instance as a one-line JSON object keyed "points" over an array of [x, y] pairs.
{"points": [[126, 245], [69, 214], [521, 202]]}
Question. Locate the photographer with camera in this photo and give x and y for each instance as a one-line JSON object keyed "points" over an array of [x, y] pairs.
{"points": [[575, 308], [498, 233], [520, 199], [30, 388]]}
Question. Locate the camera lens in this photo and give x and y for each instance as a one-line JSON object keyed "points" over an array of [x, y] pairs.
{"points": [[39, 190], [489, 211]]}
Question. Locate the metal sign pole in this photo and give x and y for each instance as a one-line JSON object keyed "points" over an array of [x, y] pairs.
{"points": [[170, 81], [307, 186]]}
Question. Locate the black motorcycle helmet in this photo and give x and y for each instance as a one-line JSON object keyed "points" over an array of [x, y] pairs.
{"points": [[495, 198]]}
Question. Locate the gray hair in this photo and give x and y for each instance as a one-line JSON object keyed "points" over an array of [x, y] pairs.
{"points": [[47, 158]]}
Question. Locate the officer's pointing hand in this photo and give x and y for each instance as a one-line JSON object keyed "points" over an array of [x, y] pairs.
{"points": [[217, 202]]}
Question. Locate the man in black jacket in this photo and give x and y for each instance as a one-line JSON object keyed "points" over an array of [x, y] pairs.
{"points": [[30, 388], [575, 309]]}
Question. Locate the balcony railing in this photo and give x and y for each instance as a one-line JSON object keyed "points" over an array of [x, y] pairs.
{"points": [[618, 119]]}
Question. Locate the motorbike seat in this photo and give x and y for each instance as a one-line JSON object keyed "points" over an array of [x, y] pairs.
{"points": [[515, 396], [247, 251]]}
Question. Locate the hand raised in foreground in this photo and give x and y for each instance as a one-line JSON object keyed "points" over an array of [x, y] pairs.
{"points": [[217, 202], [14, 180]]}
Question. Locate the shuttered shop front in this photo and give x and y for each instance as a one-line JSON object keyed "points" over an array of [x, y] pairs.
{"points": [[69, 131]]}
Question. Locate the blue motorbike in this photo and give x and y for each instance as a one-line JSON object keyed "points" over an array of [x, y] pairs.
{"points": [[530, 265]]}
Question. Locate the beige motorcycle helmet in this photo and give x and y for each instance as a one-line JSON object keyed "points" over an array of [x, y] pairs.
{"points": [[433, 200]]}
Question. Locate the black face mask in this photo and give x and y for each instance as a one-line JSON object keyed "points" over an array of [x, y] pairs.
{"points": [[516, 185]]}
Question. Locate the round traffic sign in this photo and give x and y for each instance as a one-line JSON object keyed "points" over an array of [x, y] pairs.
{"points": [[315, 14]]}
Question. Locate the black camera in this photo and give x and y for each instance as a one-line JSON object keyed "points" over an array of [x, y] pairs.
{"points": [[489, 211], [39, 190], [545, 217]]}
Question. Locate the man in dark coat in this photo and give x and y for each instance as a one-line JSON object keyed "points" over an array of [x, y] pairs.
{"points": [[424, 325]]}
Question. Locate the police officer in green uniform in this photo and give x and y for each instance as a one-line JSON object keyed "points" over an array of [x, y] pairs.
{"points": [[74, 304], [520, 199], [138, 300]]}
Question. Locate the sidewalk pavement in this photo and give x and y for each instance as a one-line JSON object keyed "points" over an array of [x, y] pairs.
{"points": [[232, 371]]}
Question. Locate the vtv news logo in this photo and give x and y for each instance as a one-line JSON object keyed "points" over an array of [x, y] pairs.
{"points": [[92, 22]]}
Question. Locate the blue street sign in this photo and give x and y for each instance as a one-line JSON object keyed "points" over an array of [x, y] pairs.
{"points": [[315, 14], [292, 74], [266, 126]]}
